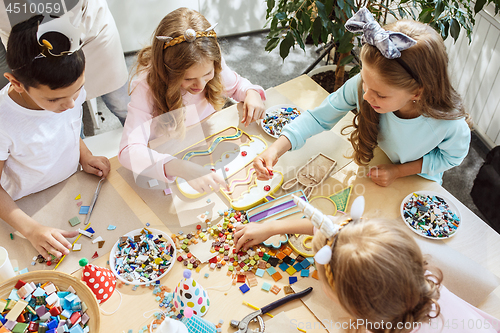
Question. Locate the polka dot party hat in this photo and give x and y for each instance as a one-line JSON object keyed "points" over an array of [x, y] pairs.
{"points": [[100, 280], [189, 293]]}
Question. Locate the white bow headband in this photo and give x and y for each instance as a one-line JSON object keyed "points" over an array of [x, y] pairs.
{"points": [[324, 224]]}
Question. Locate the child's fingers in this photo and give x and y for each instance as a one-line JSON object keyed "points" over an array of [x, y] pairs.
{"points": [[62, 240], [43, 252], [221, 181], [249, 115], [69, 234]]}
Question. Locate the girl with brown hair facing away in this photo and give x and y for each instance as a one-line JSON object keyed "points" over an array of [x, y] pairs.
{"points": [[376, 272], [181, 79], [406, 105]]}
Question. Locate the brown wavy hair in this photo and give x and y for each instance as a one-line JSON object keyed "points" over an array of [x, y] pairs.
{"points": [[377, 272], [165, 68], [428, 61]]}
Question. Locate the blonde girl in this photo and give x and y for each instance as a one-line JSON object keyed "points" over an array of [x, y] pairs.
{"points": [[377, 273], [181, 79], [406, 105]]}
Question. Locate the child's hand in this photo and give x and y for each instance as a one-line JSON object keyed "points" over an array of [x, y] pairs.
{"points": [[253, 107], [384, 174], [250, 234], [96, 165], [50, 240], [264, 163], [198, 177]]}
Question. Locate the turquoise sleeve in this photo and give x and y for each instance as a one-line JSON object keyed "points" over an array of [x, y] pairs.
{"points": [[450, 152], [325, 116]]}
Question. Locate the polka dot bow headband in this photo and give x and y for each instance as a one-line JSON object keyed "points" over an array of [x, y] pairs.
{"points": [[326, 225], [189, 36]]}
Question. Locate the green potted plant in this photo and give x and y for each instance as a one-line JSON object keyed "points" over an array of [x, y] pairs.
{"points": [[293, 21]]}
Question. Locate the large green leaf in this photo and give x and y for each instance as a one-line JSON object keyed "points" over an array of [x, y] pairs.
{"points": [[316, 30], [286, 44], [270, 6], [321, 12], [271, 44], [454, 29], [479, 5], [299, 40]]}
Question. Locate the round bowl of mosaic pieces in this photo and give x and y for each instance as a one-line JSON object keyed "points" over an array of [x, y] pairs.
{"points": [[62, 282], [139, 261], [431, 215], [277, 116]]}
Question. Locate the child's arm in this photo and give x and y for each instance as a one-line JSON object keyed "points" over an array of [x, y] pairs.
{"points": [[265, 162], [253, 107], [44, 239], [386, 174], [250, 234], [96, 165], [199, 178]]}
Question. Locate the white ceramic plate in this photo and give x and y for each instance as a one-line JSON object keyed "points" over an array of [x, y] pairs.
{"points": [[274, 110], [132, 234], [451, 207]]}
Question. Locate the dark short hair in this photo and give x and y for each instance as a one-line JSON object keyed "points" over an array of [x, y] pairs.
{"points": [[54, 72]]}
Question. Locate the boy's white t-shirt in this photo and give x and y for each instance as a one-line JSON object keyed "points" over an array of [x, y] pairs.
{"points": [[40, 148]]}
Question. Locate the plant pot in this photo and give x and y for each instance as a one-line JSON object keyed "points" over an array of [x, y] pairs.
{"points": [[327, 82]]}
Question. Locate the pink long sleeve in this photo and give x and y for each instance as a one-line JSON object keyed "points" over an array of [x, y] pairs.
{"points": [[134, 152]]}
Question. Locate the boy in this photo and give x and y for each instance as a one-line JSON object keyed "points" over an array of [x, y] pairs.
{"points": [[40, 121]]}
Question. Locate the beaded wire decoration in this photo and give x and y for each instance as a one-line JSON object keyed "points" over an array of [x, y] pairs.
{"points": [[189, 36]]}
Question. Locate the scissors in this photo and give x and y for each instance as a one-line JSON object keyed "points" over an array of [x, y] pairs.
{"points": [[94, 199], [242, 325]]}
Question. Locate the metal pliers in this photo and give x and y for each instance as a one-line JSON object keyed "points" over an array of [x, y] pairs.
{"points": [[243, 324]]}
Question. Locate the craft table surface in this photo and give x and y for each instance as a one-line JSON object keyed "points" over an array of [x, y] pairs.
{"points": [[475, 239]]}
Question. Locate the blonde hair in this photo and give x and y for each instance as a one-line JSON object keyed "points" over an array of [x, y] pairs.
{"points": [[377, 272], [165, 67], [428, 61]]}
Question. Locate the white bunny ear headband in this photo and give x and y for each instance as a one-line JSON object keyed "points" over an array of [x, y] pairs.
{"points": [[324, 224], [189, 36]]}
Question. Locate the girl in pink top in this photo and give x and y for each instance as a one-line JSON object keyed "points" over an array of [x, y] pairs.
{"points": [[377, 273], [181, 80]]}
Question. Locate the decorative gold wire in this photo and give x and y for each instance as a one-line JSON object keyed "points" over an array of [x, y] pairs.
{"points": [[180, 39]]}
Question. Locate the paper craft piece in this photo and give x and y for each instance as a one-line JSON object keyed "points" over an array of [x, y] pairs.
{"points": [[101, 244], [312, 174], [302, 244], [189, 293], [279, 208], [84, 210], [55, 206], [230, 153], [276, 209], [321, 306], [77, 247], [111, 227], [339, 200], [74, 221], [280, 323], [79, 203], [100, 280], [78, 197]]}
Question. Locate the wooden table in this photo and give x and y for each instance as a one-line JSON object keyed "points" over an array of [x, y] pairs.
{"points": [[477, 241]]}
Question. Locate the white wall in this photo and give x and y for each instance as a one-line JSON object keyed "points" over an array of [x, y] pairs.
{"points": [[136, 20], [475, 72]]}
